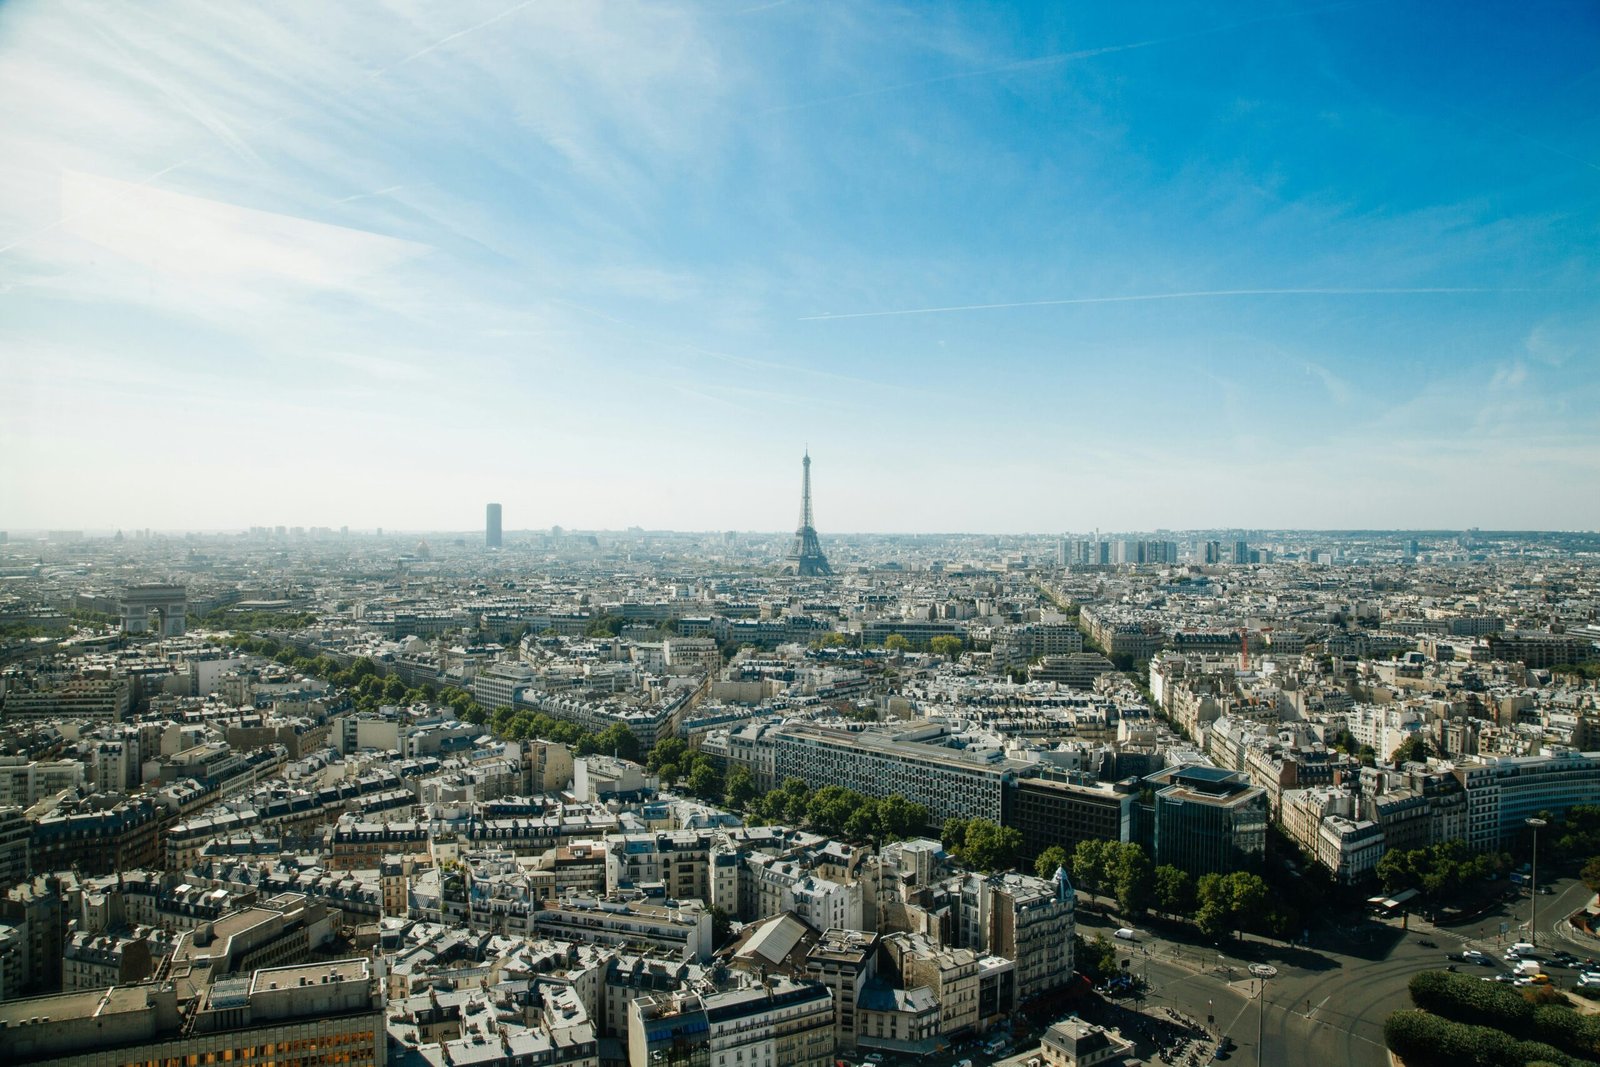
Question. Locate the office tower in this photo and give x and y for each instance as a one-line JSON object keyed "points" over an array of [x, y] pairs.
{"points": [[491, 526]]}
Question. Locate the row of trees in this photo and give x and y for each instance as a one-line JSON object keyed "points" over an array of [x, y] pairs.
{"points": [[1107, 868], [366, 686], [1439, 871], [832, 810], [520, 724], [947, 645], [237, 621], [1218, 904]]}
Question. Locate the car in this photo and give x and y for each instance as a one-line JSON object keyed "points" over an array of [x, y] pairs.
{"points": [[1426, 943], [1503, 976], [1455, 957], [1545, 891], [1484, 961]]}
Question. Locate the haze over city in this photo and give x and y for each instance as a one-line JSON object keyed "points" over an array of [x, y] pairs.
{"points": [[1001, 268]]}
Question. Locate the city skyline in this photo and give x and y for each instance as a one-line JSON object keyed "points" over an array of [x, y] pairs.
{"points": [[1004, 269]]}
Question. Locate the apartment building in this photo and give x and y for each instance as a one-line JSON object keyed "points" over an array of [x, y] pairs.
{"points": [[317, 1015]]}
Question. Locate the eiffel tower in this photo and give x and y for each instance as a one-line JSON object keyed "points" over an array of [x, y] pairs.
{"points": [[805, 555]]}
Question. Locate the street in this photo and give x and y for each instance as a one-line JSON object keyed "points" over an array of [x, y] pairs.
{"points": [[1327, 1002]]}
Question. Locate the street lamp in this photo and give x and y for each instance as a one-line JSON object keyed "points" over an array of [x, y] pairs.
{"points": [[1533, 912], [1261, 1015]]}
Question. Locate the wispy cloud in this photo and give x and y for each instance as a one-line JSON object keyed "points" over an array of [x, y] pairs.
{"points": [[1136, 298]]}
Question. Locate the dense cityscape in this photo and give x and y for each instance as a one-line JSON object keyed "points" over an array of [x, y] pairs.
{"points": [[1185, 649], [623, 798]]}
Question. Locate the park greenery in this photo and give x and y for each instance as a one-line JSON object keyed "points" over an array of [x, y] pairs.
{"points": [[241, 621], [1587, 671], [1461, 1019]]}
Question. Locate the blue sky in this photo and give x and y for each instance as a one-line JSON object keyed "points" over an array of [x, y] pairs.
{"points": [[1002, 267]]}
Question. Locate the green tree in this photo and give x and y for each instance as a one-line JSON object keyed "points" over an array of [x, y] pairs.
{"points": [[790, 807], [989, 847], [1091, 865], [721, 926], [667, 750], [619, 741], [1591, 874], [864, 823], [896, 643], [1413, 749], [604, 626], [953, 833], [1174, 890], [1247, 900], [1096, 957], [1212, 915], [1045, 864], [899, 817], [946, 645], [704, 781], [1132, 878], [739, 789], [1395, 871], [829, 809]]}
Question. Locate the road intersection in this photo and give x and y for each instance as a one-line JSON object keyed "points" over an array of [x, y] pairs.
{"points": [[1326, 1002]]}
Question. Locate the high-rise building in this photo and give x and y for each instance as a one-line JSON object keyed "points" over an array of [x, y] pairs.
{"points": [[1207, 819], [491, 526]]}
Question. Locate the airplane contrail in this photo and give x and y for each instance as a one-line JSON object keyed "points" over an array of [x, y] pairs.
{"points": [[1058, 57], [1135, 298]]}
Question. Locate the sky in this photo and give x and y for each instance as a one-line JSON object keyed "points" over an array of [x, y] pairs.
{"points": [[1000, 267]]}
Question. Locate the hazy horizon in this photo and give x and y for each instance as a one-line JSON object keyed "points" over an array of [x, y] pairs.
{"points": [[1022, 267]]}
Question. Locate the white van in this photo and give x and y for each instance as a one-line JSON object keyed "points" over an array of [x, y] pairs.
{"points": [[1523, 948], [1127, 933]]}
